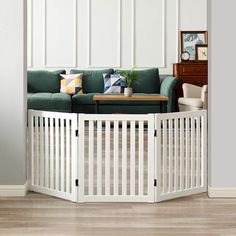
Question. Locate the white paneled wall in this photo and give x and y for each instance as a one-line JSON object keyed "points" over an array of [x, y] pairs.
{"points": [[60, 33], [109, 33]]}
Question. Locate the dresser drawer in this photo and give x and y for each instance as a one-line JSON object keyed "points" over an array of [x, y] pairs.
{"points": [[192, 69], [197, 80]]}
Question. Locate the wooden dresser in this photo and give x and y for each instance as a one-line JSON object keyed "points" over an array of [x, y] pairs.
{"points": [[189, 72]]}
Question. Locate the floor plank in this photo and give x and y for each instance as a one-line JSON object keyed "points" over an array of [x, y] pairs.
{"points": [[37, 214]]}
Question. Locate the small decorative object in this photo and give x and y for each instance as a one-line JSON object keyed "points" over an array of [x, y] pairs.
{"points": [[185, 56], [130, 77], [201, 52], [189, 39], [128, 92]]}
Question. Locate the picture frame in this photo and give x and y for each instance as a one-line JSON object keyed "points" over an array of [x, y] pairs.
{"points": [[201, 52], [189, 39]]}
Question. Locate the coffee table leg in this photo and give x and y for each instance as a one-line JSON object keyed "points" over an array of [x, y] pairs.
{"points": [[96, 107], [161, 107]]}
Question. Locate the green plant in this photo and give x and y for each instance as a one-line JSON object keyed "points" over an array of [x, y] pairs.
{"points": [[130, 76]]}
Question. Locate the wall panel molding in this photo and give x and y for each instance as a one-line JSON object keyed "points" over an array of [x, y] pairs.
{"points": [[30, 23], [118, 64], [74, 64], [126, 21], [177, 29], [133, 53]]}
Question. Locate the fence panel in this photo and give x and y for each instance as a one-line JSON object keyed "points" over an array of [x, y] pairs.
{"points": [[53, 153], [116, 158], [181, 154]]}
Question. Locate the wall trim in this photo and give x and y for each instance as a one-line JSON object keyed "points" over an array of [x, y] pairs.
{"points": [[221, 192], [13, 190], [75, 38], [177, 29], [118, 65], [30, 21]]}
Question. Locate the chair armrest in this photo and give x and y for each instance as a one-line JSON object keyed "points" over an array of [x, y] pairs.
{"points": [[204, 96], [168, 89], [191, 91]]}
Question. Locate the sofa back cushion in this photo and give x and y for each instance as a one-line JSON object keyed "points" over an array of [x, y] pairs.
{"points": [[44, 81], [148, 81], [93, 79]]}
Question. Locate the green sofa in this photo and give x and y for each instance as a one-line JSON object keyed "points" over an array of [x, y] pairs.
{"points": [[44, 92]]}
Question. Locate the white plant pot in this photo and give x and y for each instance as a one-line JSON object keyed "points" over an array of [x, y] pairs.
{"points": [[128, 92]]}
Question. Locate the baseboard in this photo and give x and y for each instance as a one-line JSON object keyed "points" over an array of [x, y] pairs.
{"points": [[222, 192], [13, 190]]}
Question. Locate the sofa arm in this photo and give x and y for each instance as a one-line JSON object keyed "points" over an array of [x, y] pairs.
{"points": [[168, 89]]}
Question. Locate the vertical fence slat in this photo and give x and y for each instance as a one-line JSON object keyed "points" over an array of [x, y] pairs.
{"points": [[164, 153], [170, 155], [176, 147], [74, 157], [37, 180], [91, 156], [107, 158], [124, 157], [150, 165], [198, 160], [62, 159], [51, 153], [67, 156], [116, 156], [132, 157], [46, 154], [32, 149], [182, 156], [193, 155], [81, 163], [141, 156], [99, 158], [158, 158], [204, 151], [41, 150], [187, 156], [57, 154]]}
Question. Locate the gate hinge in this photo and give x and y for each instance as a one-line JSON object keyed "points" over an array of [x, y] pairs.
{"points": [[77, 183], [155, 182], [77, 133], [155, 133]]}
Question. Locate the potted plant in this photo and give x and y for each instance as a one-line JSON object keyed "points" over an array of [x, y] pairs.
{"points": [[130, 77]]}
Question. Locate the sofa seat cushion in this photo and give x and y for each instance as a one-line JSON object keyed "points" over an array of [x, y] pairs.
{"points": [[193, 102], [83, 99], [49, 102], [93, 79], [148, 81], [44, 81], [87, 99]]}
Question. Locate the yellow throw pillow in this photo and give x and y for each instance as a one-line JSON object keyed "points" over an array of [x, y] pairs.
{"points": [[71, 84]]}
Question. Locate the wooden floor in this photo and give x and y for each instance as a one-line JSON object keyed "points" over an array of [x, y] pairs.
{"points": [[38, 214]]}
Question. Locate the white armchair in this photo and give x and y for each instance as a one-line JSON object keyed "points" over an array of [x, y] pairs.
{"points": [[195, 98]]}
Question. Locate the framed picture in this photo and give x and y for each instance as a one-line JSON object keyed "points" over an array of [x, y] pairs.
{"points": [[201, 52], [189, 39]]}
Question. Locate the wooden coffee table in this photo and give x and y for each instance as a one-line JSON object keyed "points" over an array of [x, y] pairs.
{"points": [[162, 99]]}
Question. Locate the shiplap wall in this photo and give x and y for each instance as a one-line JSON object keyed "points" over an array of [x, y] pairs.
{"points": [[109, 33]]}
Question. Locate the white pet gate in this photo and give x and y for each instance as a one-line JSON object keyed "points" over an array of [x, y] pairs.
{"points": [[117, 158]]}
